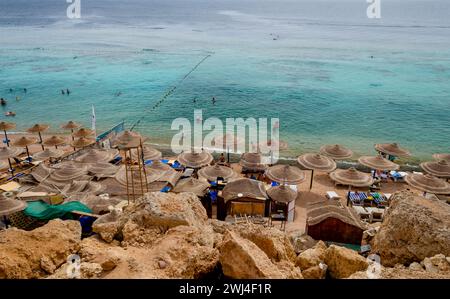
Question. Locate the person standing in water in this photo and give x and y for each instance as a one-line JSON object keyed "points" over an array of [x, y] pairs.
{"points": [[25, 90], [62, 91], [68, 91], [214, 100]]}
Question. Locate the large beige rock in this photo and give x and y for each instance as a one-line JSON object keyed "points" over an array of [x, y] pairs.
{"points": [[156, 211], [108, 226], [413, 228], [242, 259], [272, 241], [312, 257], [38, 253], [343, 262], [301, 241], [316, 272]]}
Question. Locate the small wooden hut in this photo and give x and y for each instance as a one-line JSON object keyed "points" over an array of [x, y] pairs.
{"points": [[243, 197], [331, 221]]}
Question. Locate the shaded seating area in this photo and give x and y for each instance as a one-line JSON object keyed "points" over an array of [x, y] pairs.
{"points": [[243, 197]]}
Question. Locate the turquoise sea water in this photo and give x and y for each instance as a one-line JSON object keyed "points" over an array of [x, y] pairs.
{"points": [[330, 75]]}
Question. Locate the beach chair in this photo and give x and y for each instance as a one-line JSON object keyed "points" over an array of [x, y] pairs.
{"points": [[376, 214], [397, 176], [148, 162], [362, 212], [274, 184], [332, 195], [165, 189], [187, 173]]}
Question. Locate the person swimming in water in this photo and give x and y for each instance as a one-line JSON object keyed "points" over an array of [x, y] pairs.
{"points": [[214, 100], [62, 91], [10, 90], [194, 100], [25, 90], [68, 91], [2, 101]]}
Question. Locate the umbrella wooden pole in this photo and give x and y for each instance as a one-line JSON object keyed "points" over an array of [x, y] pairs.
{"points": [[73, 138], [40, 140], [348, 194], [11, 168], [28, 152], [6, 138], [312, 179]]}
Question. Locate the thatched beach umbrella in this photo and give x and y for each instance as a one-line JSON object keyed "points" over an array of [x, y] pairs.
{"points": [[253, 162], [70, 125], [392, 149], [159, 166], [440, 169], [191, 185], [7, 152], [54, 141], [316, 162], [282, 194], [336, 151], [126, 138], [97, 156], [10, 206], [83, 132], [82, 142], [195, 159], [211, 173], [285, 174], [351, 177], [148, 153], [7, 127], [38, 128], [428, 183], [439, 157], [48, 154], [378, 163], [25, 142]]}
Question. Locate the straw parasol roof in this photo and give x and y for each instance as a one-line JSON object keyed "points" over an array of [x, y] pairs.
{"points": [[440, 169], [127, 137], [68, 171], [97, 156], [392, 149], [195, 160], [25, 141], [253, 161], [149, 153], [83, 132], [11, 206], [442, 157], [378, 163], [319, 211], [82, 187], [70, 125], [37, 128], [351, 177], [336, 151], [244, 188], [5, 126], [48, 153], [54, 141], [135, 177], [7, 152], [317, 162], [159, 166], [3, 164], [102, 170], [211, 173], [428, 183], [282, 194], [191, 185], [82, 142], [287, 174]]}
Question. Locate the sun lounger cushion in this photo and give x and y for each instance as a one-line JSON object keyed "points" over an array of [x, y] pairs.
{"points": [[332, 195]]}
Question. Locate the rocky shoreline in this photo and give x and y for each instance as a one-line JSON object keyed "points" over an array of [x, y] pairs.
{"points": [[167, 235]]}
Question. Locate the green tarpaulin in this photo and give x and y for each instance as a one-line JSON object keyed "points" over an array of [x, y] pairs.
{"points": [[43, 211]]}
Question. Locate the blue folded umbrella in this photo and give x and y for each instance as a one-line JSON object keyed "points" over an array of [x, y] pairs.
{"points": [[148, 162], [165, 161], [165, 189]]}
